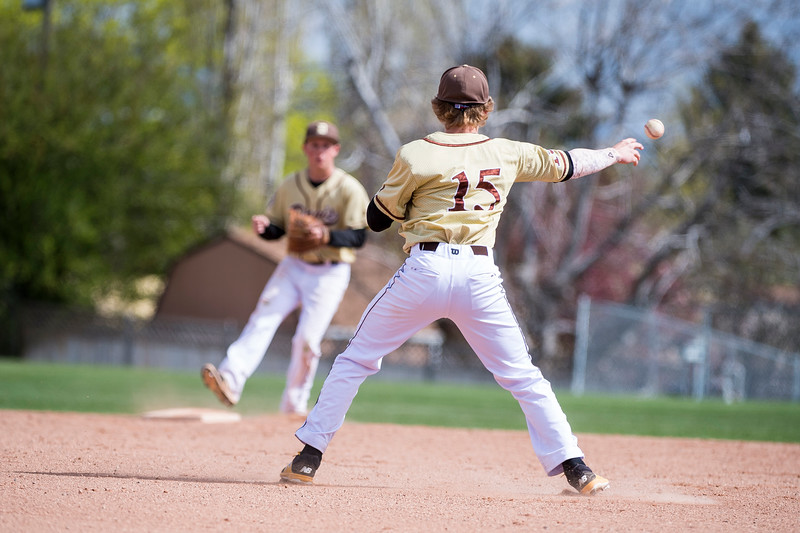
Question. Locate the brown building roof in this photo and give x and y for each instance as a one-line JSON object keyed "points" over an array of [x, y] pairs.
{"points": [[222, 279]]}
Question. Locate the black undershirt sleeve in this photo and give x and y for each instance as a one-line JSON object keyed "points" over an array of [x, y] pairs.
{"points": [[376, 219], [348, 238], [345, 238], [272, 232]]}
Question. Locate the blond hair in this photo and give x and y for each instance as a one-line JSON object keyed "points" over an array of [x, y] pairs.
{"points": [[452, 117]]}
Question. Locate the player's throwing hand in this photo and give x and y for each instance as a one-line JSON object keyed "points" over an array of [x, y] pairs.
{"points": [[628, 150]]}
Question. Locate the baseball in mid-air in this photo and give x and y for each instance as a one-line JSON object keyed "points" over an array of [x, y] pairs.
{"points": [[654, 128]]}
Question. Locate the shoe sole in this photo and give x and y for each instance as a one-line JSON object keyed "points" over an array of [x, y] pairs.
{"points": [[598, 484], [288, 476], [212, 380]]}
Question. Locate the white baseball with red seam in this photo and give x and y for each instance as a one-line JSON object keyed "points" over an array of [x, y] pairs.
{"points": [[654, 128]]}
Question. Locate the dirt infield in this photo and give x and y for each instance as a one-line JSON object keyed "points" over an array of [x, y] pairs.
{"points": [[78, 472]]}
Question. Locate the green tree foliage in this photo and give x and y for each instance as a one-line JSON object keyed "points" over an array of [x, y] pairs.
{"points": [[110, 147], [547, 111], [745, 120], [314, 98]]}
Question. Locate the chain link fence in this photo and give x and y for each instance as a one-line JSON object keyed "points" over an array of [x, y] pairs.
{"points": [[63, 335], [624, 350], [72, 336], [618, 350]]}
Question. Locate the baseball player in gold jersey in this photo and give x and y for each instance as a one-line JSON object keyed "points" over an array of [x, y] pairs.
{"points": [[447, 192], [322, 211]]}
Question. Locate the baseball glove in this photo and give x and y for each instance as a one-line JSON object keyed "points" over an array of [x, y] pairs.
{"points": [[306, 232]]}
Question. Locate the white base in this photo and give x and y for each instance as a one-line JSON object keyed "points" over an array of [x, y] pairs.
{"points": [[207, 416]]}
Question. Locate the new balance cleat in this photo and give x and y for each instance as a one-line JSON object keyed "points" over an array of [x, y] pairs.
{"points": [[216, 383], [301, 469], [582, 479]]}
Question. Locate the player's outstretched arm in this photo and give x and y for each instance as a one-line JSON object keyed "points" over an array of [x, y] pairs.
{"points": [[586, 162]]}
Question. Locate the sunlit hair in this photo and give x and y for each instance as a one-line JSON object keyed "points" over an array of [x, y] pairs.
{"points": [[452, 117]]}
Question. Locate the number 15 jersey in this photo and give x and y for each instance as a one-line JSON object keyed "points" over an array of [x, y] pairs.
{"points": [[452, 187]]}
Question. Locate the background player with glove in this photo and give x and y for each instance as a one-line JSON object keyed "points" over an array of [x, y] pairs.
{"points": [[447, 192], [321, 210]]}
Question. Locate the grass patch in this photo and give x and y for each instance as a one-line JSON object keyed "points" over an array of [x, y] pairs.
{"points": [[106, 389], [684, 417]]}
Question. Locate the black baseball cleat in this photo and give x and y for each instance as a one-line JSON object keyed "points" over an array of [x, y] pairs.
{"points": [[301, 469], [582, 478]]}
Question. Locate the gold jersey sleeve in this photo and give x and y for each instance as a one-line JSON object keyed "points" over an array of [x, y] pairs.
{"points": [[452, 187], [340, 202]]}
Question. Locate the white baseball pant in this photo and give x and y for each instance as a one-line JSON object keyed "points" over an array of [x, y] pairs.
{"points": [[451, 282], [318, 290]]}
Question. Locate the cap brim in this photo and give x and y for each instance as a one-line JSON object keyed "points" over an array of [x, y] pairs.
{"points": [[331, 139]]}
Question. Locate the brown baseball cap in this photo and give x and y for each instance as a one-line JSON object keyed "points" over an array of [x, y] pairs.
{"points": [[323, 129], [464, 85]]}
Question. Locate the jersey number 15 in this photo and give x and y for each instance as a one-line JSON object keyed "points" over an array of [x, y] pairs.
{"points": [[463, 189]]}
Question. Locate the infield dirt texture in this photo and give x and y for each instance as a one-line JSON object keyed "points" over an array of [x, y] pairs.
{"points": [[88, 472]]}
